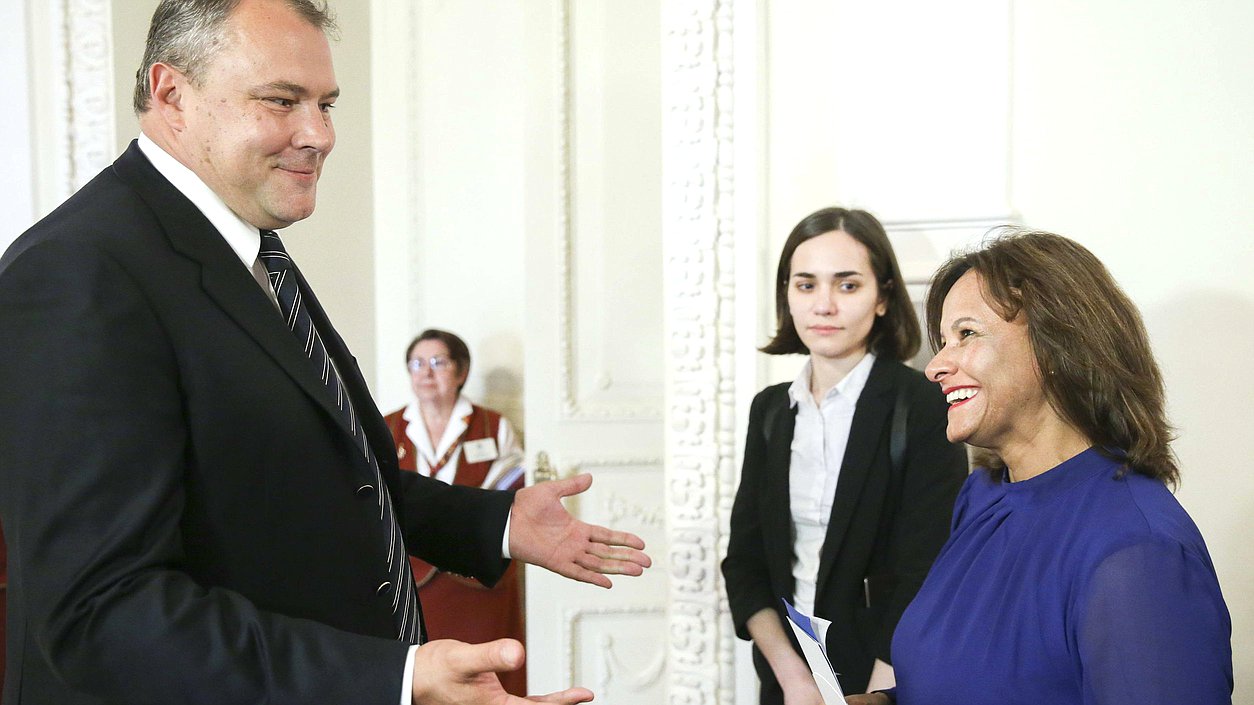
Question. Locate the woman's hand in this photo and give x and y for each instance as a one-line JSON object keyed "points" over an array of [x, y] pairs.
{"points": [[868, 699], [882, 677], [789, 668], [801, 690]]}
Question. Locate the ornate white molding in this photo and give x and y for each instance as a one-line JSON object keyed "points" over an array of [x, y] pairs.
{"points": [[572, 407], [939, 238], [612, 667], [643, 462], [71, 65], [89, 114], [616, 509], [698, 236]]}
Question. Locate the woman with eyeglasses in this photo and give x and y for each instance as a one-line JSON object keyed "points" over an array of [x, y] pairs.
{"points": [[441, 434]]}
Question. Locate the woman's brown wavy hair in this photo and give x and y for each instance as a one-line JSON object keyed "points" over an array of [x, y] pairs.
{"points": [[1090, 343]]}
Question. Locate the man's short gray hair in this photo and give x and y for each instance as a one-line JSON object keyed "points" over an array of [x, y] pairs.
{"points": [[187, 33]]}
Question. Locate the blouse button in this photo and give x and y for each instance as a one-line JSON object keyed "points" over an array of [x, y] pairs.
{"points": [[365, 490], [383, 587]]}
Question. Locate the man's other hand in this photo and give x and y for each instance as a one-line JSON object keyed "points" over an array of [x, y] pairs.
{"points": [[543, 533], [448, 672]]}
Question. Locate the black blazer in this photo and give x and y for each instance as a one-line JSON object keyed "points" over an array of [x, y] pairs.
{"points": [[185, 515], [885, 528]]}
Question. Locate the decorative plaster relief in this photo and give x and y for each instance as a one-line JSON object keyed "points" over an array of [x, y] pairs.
{"points": [[72, 54], [614, 673], [612, 666], [699, 240], [623, 505], [90, 109]]}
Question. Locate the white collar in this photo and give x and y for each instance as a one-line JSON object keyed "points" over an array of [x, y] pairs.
{"points": [[417, 429], [244, 238], [850, 386]]}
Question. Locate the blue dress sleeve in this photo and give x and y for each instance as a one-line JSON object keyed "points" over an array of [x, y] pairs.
{"points": [[1153, 628]]}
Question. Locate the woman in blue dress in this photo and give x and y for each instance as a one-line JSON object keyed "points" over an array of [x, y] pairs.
{"points": [[1072, 576]]}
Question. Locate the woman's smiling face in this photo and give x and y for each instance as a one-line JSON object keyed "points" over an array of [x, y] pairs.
{"points": [[988, 372]]}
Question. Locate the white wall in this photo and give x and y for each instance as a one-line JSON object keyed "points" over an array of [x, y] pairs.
{"points": [[1133, 134], [130, 20], [17, 195], [1126, 126], [452, 233]]}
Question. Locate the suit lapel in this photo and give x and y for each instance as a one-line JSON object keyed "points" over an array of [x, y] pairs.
{"points": [[870, 418], [224, 278], [377, 432]]}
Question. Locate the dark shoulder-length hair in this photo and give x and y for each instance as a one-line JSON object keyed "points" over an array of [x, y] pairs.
{"points": [[1090, 344], [457, 350], [895, 335]]}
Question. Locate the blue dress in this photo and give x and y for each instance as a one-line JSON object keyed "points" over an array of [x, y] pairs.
{"points": [[1073, 587]]}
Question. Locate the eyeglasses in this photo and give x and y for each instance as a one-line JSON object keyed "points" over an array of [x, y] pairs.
{"points": [[436, 363]]}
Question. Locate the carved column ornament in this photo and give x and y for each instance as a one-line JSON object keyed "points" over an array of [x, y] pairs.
{"points": [[89, 116], [71, 64], [698, 237]]}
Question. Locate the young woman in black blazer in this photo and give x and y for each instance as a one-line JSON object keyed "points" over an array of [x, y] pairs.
{"points": [[848, 480]]}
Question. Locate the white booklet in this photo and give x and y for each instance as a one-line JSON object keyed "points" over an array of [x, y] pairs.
{"points": [[812, 635]]}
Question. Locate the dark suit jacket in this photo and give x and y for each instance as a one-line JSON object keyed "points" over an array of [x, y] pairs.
{"points": [[187, 521], [883, 527]]}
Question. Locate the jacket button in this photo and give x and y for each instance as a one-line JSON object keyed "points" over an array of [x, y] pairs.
{"points": [[365, 490], [383, 587]]}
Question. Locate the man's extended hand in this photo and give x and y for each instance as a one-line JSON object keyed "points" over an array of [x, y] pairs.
{"points": [[543, 533], [450, 672]]}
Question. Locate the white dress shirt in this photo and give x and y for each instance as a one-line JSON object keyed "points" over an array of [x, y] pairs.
{"points": [[820, 435], [244, 238]]}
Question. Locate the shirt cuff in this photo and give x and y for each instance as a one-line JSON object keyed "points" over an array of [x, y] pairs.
{"points": [[505, 536], [407, 680]]}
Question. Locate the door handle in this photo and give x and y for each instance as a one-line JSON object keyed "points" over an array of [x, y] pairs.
{"points": [[544, 468]]}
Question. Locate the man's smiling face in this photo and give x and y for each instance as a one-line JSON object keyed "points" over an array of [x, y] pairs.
{"points": [[257, 125]]}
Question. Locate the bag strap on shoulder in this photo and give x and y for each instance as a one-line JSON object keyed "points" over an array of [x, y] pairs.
{"points": [[897, 435]]}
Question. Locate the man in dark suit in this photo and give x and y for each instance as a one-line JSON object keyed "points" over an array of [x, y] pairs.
{"points": [[199, 496]]}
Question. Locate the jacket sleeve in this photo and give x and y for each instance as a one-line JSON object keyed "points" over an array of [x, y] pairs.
{"points": [[1151, 626], [934, 471], [455, 528], [745, 569], [93, 516]]}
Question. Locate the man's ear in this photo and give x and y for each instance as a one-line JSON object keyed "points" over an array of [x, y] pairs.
{"points": [[169, 92]]}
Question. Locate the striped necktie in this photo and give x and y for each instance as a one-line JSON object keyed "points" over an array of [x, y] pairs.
{"points": [[405, 609]]}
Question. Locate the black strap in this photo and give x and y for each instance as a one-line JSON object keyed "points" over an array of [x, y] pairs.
{"points": [[878, 588], [897, 436], [768, 421]]}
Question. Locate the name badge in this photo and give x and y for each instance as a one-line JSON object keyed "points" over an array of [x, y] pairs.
{"points": [[480, 451]]}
